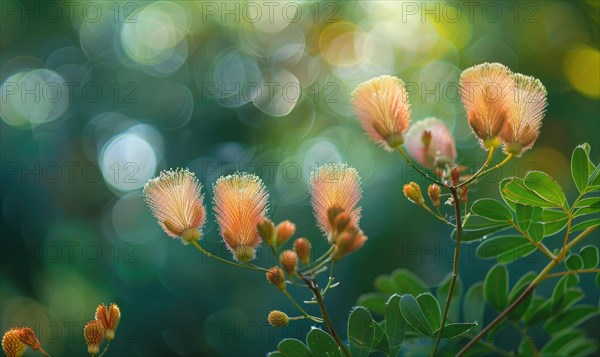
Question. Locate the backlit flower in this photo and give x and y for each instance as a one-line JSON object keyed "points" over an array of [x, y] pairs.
{"points": [[335, 188], [430, 143], [485, 89], [109, 317], [240, 204], [11, 343], [382, 106], [93, 333], [175, 199], [526, 109]]}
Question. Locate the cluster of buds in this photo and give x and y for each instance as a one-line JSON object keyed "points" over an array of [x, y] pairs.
{"points": [[16, 340], [102, 327], [275, 236]]}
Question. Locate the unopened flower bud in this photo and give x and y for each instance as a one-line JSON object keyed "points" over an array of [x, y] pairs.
{"points": [[434, 193], [412, 191], [289, 261], [332, 214], [285, 230], [11, 343], [302, 248], [278, 319], [28, 337], [275, 276], [93, 333], [348, 242], [266, 230], [455, 175]]}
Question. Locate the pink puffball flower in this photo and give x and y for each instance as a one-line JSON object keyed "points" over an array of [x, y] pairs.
{"points": [[382, 106], [240, 203], [430, 143], [335, 189], [175, 199]]}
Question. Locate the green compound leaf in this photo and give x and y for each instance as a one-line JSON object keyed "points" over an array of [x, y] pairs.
{"points": [[431, 309], [491, 210], [395, 324], [374, 302], [554, 221], [320, 343], [495, 287], [584, 225], [361, 332], [574, 262], [514, 190], [589, 256], [453, 330], [580, 168], [414, 316], [291, 347], [505, 248], [472, 235], [558, 341], [516, 291], [546, 187], [401, 281], [570, 318]]}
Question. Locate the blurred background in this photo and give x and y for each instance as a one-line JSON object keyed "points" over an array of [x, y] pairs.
{"points": [[99, 96]]}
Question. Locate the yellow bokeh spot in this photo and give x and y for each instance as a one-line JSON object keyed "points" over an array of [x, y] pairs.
{"points": [[582, 69], [337, 43]]}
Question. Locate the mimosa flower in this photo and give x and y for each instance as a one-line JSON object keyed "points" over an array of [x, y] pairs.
{"points": [[11, 343], [485, 89], [526, 110], [28, 337], [109, 317], [335, 188], [93, 333], [382, 106], [175, 200], [240, 204], [430, 143]]}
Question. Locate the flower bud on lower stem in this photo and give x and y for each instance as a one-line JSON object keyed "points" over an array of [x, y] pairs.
{"points": [[275, 276]]}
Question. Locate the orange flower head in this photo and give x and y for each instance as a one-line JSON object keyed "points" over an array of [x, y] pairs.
{"points": [[430, 143], [93, 333], [12, 344], [485, 89], [526, 110], [382, 106], [240, 204], [335, 188], [28, 337], [175, 199], [302, 247], [109, 317]]}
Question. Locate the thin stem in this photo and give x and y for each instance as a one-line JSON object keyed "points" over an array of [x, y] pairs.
{"points": [[105, 349], [317, 269], [312, 284], [330, 280], [539, 246], [436, 215], [485, 172], [523, 332], [44, 353], [566, 240], [541, 276], [491, 347], [210, 255], [484, 166], [310, 266], [572, 272], [459, 230], [417, 168], [302, 311]]}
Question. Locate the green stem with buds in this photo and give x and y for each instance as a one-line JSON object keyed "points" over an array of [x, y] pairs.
{"points": [[459, 230], [105, 349]]}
